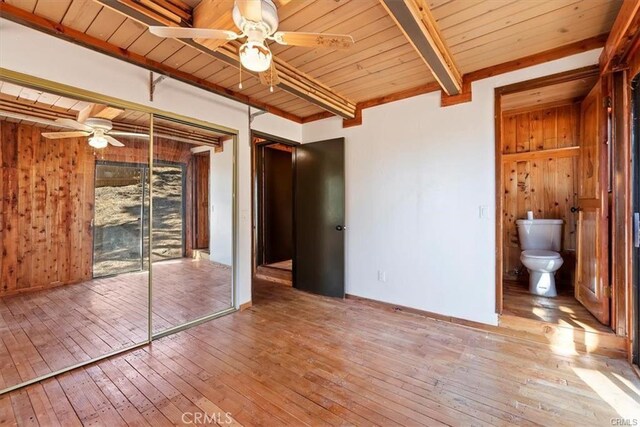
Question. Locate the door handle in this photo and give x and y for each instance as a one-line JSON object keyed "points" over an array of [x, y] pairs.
{"points": [[636, 229], [575, 209], [341, 227]]}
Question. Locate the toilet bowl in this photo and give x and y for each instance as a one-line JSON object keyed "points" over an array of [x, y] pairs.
{"points": [[540, 244], [542, 266]]}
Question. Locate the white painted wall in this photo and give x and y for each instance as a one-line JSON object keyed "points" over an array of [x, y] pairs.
{"points": [[416, 176], [221, 205], [37, 54]]}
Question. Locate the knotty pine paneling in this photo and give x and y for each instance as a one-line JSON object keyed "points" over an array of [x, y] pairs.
{"points": [[47, 203], [546, 185]]}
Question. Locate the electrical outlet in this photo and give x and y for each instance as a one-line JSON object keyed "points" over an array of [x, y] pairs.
{"points": [[382, 276]]}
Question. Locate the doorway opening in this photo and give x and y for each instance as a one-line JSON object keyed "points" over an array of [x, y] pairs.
{"points": [[274, 166], [552, 175]]}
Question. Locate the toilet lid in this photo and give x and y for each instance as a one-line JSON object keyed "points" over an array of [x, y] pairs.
{"points": [[541, 254]]}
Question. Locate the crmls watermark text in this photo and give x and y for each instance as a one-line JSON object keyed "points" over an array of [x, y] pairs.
{"points": [[624, 422], [197, 418]]}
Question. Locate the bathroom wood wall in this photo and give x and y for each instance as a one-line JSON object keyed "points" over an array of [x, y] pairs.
{"points": [[540, 146], [47, 203]]}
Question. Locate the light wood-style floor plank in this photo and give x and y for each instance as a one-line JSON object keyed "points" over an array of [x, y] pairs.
{"points": [[48, 330], [299, 359]]}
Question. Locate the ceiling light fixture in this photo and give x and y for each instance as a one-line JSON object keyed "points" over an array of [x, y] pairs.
{"points": [[98, 140], [255, 56]]}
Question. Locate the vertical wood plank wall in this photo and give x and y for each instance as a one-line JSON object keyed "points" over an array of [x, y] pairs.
{"points": [[47, 203], [538, 177]]}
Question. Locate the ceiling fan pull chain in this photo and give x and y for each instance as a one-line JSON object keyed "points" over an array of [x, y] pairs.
{"points": [[271, 79], [240, 85]]}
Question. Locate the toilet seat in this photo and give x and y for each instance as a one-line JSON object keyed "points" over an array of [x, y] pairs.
{"points": [[540, 254]]}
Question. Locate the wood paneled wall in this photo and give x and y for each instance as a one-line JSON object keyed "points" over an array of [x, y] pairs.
{"points": [[47, 207], [47, 204], [540, 166]]}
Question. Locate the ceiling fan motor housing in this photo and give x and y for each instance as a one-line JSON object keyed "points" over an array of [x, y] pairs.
{"points": [[268, 26], [101, 124]]}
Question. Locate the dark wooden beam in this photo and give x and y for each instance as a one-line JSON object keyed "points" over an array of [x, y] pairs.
{"points": [[39, 23], [528, 61], [414, 19]]}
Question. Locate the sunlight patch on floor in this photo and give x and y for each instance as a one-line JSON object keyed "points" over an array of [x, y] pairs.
{"points": [[620, 400]]}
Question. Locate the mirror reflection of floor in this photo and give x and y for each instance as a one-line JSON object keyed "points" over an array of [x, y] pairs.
{"points": [[48, 330]]}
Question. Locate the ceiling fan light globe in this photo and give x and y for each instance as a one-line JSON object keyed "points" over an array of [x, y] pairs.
{"points": [[98, 142], [255, 56]]}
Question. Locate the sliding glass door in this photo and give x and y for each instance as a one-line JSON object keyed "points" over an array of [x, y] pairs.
{"points": [[118, 234]]}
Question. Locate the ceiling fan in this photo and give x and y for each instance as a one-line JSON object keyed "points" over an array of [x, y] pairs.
{"points": [[258, 22], [94, 121]]}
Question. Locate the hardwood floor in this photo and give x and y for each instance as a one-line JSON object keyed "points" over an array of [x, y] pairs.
{"points": [[283, 265], [45, 331], [299, 359], [564, 310]]}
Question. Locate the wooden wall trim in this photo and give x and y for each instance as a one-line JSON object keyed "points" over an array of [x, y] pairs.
{"points": [[499, 165], [506, 67], [540, 58], [44, 25]]}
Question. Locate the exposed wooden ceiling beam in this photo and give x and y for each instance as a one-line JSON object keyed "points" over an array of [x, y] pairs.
{"points": [[414, 19], [626, 29], [39, 23], [506, 67], [290, 79]]}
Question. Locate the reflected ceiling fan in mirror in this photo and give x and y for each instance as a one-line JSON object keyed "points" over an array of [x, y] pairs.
{"points": [[94, 122], [258, 22]]}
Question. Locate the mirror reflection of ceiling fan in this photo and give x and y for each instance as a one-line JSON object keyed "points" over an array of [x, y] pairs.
{"points": [[258, 22], [94, 121]]}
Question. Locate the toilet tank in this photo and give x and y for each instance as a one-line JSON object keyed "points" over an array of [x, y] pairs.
{"points": [[545, 234]]}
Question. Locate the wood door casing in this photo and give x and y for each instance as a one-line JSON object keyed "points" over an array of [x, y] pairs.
{"points": [[592, 263], [201, 195]]}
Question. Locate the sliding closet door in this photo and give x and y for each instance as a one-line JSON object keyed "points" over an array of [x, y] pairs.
{"points": [[191, 277], [73, 288]]}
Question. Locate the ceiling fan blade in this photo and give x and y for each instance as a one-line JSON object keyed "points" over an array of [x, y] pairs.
{"points": [[251, 10], [129, 134], [335, 41], [62, 135], [68, 123], [111, 140], [192, 33]]}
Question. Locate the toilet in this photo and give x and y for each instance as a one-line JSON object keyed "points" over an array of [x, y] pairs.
{"points": [[540, 243]]}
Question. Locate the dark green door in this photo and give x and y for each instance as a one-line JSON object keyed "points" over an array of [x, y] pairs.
{"points": [[319, 218]]}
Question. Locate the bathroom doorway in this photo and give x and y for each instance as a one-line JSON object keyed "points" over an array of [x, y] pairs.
{"points": [[551, 230]]}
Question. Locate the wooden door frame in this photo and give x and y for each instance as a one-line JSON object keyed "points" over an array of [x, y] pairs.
{"points": [[563, 77], [255, 205]]}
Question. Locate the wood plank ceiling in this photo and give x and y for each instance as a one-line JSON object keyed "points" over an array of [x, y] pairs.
{"points": [[571, 90], [20, 104], [479, 34]]}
